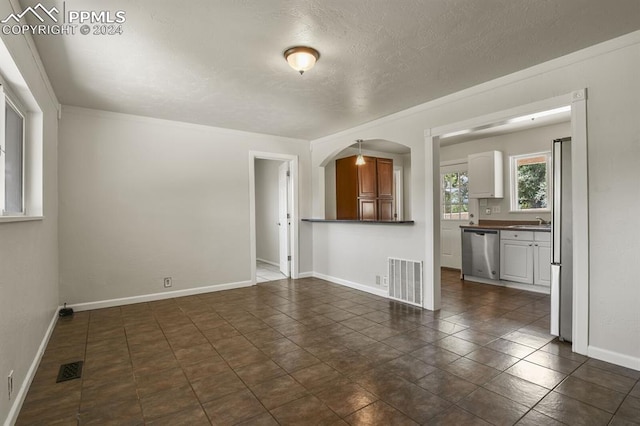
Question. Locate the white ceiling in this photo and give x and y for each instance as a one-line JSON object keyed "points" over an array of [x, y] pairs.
{"points": [[219, 62]]}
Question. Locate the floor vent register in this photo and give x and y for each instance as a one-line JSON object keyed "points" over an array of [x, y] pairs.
{"points": [[70, 371]]}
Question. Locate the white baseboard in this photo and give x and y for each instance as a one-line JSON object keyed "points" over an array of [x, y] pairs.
{"points": [[614, 357], [510, 284], [26, 383], [157, 296], [377, 291], [305, 275], [269, 262]]}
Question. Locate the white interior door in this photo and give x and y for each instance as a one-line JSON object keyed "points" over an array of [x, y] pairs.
{"points": [[450, 244], [284, 221], [451, 216]]}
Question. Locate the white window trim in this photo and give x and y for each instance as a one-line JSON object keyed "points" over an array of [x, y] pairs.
{"points": [[513, 184], [32, 149]]}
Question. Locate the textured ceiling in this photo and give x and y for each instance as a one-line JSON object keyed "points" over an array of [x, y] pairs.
{"points": [[219, 62]]}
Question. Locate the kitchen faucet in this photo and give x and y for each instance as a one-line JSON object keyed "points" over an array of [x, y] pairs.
{"points": [[541, 221]]}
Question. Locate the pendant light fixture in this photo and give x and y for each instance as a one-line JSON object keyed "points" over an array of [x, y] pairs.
{"points": [[360, 159], [301, 58]]}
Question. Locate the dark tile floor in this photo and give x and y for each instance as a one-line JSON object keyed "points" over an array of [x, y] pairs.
{"points": [[310, 352]]}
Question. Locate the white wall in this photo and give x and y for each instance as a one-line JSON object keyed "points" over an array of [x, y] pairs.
{"points": [[28, 250], [142, 199], [524, 142], [356, 253], [267, 196], [609, 72]]}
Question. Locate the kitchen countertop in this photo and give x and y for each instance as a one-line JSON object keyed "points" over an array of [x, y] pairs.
{"points": [[508, 225], [366, 222]]}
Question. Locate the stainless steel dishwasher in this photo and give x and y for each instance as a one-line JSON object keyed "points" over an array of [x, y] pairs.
{"points": [[481, 253]]}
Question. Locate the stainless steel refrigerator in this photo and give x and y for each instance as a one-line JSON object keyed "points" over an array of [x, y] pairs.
{"points": [[562, 244]]}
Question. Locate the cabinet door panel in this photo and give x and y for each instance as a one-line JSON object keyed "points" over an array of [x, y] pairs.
{"points": [[385, 177], [368, 209], [347, 189], [542, 264], [367, 178], [385, 210], [516, 261], [485, 175]]}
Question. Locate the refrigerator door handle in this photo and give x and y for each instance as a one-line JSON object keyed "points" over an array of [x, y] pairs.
{"points": [[555, 299], [556, 227]]}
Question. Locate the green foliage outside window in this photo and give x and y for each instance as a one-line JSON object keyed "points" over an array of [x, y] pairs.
{"points": [[532, 186], [530, 189]]}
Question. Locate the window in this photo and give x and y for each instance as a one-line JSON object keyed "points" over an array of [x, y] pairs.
{"points": [[455, 192], [530, 181], [21, 145], [11, 158]]}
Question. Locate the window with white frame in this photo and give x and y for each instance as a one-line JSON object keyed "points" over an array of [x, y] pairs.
{"points": [[530, 181], [454, 192], [11, 155]]}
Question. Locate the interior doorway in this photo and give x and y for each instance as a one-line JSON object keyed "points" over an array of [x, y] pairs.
{"points": [[580, 214], [273, 198], [273, 221]]}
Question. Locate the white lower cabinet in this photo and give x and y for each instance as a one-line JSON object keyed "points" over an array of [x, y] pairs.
{"points": [[516, 261], [542, 258], [525, 257]]}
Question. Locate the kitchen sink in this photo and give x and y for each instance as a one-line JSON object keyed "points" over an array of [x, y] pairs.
{"points": [[533, 227]]}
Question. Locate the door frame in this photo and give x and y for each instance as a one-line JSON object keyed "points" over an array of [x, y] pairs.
{"points": [[293, 208], [577, 100], [284, 218], [398, 192]]}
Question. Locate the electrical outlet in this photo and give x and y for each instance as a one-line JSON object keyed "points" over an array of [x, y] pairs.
{"points": [[496, 209], [385, 281], [168, 282], [487, 210], [10, 384], [377, 279]]}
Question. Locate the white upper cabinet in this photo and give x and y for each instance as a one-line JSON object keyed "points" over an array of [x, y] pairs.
{"points": [[485, 175]]}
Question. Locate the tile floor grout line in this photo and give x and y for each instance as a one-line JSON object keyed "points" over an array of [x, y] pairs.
{"points": [[135, 381]]}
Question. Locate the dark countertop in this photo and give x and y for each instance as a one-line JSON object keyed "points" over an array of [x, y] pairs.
{"points": [[365, 222], [508, 226]]}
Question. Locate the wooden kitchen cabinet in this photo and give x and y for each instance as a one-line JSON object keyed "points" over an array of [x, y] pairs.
{"points": [[367, 177], [368, 209], [384, 172], [385, 210], [485, 175], [364, 192], [346, 189]]}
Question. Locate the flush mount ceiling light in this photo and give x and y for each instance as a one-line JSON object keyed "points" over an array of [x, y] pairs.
{"points": [[360, 159], [301, 58]]}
